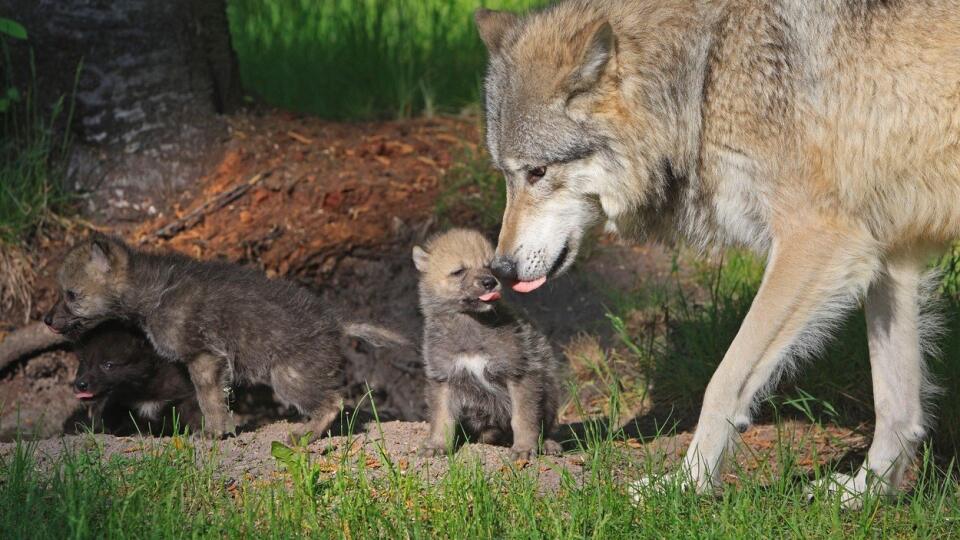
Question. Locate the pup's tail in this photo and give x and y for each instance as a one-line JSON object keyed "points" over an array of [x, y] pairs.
{"points": [[377, 336]]}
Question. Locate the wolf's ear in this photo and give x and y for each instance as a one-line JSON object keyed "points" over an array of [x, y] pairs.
{"points": [[106, 253], [100, 255], [420, 258], [493, 27], [596, 56]]}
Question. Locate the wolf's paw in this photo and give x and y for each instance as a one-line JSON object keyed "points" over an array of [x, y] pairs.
{"points": [[523, 453], [302, 437], [850, 489], [552, 447], [429, 450], [218, 430], [640, 490]]}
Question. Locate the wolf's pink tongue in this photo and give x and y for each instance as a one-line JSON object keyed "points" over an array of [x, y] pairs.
{"points": [[84, 395], [490, 297], [527, 286]]}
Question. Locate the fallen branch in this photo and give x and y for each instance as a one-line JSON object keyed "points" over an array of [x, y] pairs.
{"points": [[195, 216], [26, 341]]}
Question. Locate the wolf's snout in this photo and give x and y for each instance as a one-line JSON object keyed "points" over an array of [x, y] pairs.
{"points": [[81, 385], [489, 283], [505, 269], [48, 318]]}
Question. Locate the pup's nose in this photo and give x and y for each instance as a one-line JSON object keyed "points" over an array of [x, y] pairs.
{"points": [[48, 318], [489, 282], [505, 269], [80, 385]]}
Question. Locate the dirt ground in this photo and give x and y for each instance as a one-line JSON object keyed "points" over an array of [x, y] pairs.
{"points": [[377, 447], [337, 207]]}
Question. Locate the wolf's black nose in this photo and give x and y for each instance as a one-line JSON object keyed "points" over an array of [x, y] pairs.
{"points": [[488, 282], [505, 269], [48, 319], [80, 385]]}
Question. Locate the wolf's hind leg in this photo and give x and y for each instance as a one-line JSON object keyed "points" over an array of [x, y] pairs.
{"points": [[209, 376], [896, 361], [811, 277]]}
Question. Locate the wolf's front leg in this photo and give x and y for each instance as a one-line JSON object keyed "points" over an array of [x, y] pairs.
{"points": [[812, 277], [526, 421], [896, 361], [443, 422], [209, 376]]}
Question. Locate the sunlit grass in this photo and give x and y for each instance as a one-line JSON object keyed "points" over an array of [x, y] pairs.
{"points": [[174, 490], [358, 59]]}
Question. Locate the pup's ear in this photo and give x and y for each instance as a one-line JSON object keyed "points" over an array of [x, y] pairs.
{"points": [[600, 48], [493, 27], [107, 253], [100, 255], [420, 258]]}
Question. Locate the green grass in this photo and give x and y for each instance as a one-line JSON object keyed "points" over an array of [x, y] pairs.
{"points": [[175, 491], [679, 363], [472, 193], [361, 59]]}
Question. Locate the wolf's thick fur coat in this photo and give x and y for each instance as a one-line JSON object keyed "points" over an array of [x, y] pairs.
{"points": [[229, 324], [489, 370], [134, 389], [824, 134]]}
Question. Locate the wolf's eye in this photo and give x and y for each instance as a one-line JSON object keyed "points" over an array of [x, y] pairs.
{"points": [[108, 365], [534, 175], [458, 272], [71, 296]]}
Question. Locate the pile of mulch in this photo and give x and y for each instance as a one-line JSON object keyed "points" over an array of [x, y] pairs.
{"points": [[294, 195]]}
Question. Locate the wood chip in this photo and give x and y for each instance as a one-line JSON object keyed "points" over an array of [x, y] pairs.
{"points": [[299, 138]]}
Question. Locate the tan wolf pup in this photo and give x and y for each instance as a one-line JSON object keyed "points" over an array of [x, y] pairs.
{"points": [[824, 134]]}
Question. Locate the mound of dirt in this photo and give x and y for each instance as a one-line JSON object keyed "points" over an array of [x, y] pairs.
{"points": [[248, 456]]}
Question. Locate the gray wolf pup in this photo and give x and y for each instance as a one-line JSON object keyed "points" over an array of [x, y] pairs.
{"points": [[122, 379], [488, 369], [227, 323], [824, 134]]}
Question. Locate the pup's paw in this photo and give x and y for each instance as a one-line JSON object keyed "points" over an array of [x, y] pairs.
{"points": [[429, 450], [219, 430], [552, 447], [300, 437], [524, 453]]}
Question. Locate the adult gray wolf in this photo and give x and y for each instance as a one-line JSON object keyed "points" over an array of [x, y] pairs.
{"points": [[229, 324], [824, 134], [489, 370]]}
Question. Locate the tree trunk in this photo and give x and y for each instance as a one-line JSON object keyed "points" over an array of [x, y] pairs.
{"points": [[153, 76]]}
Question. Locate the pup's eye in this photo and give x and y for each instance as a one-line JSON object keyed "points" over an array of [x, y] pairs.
{"points": [[534, 175], [71, 296], [458, 273], [108, 365]]}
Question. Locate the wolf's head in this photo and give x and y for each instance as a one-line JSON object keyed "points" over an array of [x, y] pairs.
{"points": [[92, 278], [455, 273], [113, 357], [557, 107]]}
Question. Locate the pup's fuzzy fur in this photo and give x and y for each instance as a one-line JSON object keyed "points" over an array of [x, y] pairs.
{"points": [[822, 133], [229, 324], [128, 387], [489, 370]]}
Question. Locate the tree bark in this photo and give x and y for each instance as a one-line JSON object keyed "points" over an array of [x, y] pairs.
{"points": [[153, 76]]}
